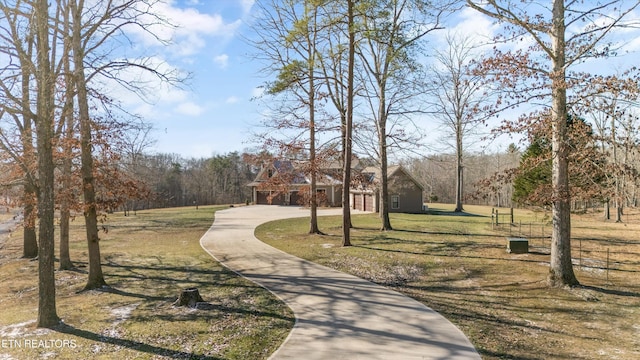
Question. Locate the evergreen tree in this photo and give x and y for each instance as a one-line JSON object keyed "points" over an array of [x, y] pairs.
{"points": [[534, 173], [532, 182]]}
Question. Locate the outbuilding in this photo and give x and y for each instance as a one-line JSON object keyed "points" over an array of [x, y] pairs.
{"points": [[405, 192]]}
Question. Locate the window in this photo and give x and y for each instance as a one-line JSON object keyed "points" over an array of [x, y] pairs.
{"points": [[270, 173], [395, 201]]}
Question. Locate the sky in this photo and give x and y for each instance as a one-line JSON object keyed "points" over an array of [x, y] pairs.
{"points": [[214, 113]]}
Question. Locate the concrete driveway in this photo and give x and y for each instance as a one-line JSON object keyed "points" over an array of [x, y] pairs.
{"points": [[338, 316]]}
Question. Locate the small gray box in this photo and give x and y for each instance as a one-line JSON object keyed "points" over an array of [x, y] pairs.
{"points": [[517, 245]]}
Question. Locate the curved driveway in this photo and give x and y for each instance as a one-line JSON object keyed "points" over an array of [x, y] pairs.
{"points": [[338, 316]]}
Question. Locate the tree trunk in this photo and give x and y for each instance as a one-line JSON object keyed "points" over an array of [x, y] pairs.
{"points": [[30, 243], [384, 178], [189, 297], [313, 222], [65, 257], [619, 212], [67, 115], [96, 279], [346, 173], [459, 171], [561, 269], [47, 316]]}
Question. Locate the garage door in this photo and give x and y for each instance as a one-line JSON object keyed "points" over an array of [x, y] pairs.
{"points": [[357, 201], [263, 198], [368, 202], [295, 198]]}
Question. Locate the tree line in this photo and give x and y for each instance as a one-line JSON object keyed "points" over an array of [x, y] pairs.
{"points": [[172, 180]]}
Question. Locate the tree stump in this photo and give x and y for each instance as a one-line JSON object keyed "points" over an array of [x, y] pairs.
{"points": [[189, 297]]}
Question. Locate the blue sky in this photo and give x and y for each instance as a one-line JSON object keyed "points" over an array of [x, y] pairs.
{"points": [[215, 114]]}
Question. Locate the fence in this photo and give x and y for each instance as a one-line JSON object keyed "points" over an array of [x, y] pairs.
{"points": [[608, 260]]}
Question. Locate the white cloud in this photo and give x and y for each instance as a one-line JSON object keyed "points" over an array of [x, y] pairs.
{"points": [[633, 45], [189, 31], [257, 92], [145, 110], [150, 88], [628, 37], [246, 5], [475, 26], [190, 109], [222, 60], [232, 100]]}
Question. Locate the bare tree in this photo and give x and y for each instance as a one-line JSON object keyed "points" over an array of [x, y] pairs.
{"points": [[393, 30], [66, 193], [45, 80], [96, 278], [96, 26], [135, 141], [16, 84], [456, 96], [612, 109], [288, 37], [563, 35], [348, 126]]}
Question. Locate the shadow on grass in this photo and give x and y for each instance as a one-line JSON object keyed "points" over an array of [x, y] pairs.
{"points": [[452, 213], [454, 249], [611, 291], [446, 250], [466, 310], [162, 275], [503, 355], [112, 290], [156, 226], [424, 232], [607, 241], [212, 311], [130, 344], [163, 268], [78, 267], [370, 242]]}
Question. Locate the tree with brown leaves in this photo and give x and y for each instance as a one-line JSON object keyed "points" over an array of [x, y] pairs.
{"points": [[562, 35]]}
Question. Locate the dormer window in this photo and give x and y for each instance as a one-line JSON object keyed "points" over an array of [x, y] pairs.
{"points": [[270, 173]]}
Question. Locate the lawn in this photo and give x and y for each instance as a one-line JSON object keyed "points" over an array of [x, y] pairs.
{"points": [[148, 258], [459, 266]]}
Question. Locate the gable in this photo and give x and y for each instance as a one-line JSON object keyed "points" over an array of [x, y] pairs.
{"points": [[400, 177], [396, 174]]}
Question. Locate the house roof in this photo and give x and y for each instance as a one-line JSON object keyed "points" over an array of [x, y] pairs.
{"points": [[393, 170], [329, 175]]}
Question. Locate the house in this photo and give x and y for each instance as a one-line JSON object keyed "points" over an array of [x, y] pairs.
{"points": [[405, 192], [286, 182]]}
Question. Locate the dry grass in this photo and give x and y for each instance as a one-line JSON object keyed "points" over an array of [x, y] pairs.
{"points": [[5, 214], [458, 265], [148, 259]]}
